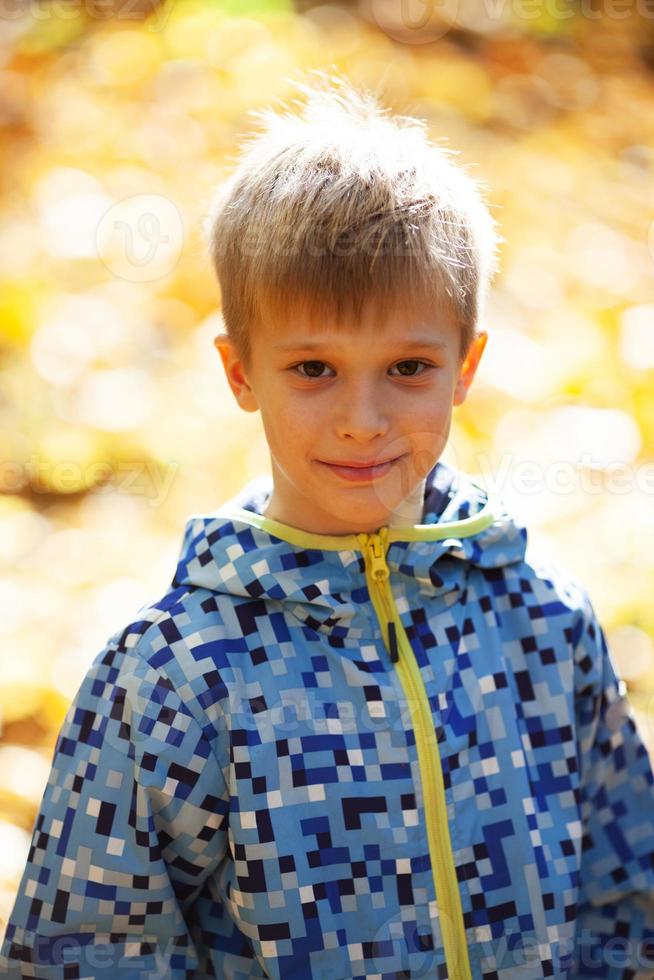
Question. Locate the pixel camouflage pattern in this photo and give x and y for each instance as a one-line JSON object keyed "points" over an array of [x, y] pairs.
{"points": [[235, 790]]}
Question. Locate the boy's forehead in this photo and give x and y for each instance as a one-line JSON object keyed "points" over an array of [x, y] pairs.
{"points": [[421, 323], [333, 341]]}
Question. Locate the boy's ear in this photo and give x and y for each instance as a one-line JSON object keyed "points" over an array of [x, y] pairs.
{"points": [[235, 373], [469, 367]]}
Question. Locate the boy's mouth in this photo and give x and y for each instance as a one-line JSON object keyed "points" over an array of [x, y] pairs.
{"points": [[360, 472]]}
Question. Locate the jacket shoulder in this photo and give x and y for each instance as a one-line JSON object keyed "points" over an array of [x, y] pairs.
{"points": [[549, 580], [562, 599], [187, 639]]}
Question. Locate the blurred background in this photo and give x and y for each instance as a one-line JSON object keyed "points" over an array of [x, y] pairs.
{"points": [[117, 121]]}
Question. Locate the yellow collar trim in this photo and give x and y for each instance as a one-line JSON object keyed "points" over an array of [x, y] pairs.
{"points": [[347, 542]]}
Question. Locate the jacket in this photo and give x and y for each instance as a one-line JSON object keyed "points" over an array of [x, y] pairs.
{"points": [[382, 755]]}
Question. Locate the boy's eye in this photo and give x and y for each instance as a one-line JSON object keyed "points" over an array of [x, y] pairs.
{"points": [[315, 366], [412, 363], [312, 367]]}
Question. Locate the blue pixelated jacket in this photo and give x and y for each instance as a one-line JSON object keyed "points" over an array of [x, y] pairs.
{"points": [[389, 755]]}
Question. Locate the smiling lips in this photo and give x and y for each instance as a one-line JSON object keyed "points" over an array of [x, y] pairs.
{"points": [[355, 463], [359, 472]]}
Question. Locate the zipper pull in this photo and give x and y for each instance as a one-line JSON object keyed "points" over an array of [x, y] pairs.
{"points": [[378, 564], [380, 572]]}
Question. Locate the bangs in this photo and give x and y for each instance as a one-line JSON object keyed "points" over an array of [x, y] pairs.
{"points": [[340, 308]]}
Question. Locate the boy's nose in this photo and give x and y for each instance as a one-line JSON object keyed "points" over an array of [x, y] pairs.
{"points": [[362, 415]]}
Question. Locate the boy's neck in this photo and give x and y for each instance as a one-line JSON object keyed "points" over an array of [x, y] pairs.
{"points": [[410, 510]]}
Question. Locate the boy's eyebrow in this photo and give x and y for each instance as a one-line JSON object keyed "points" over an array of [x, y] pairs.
{"points": [[425, 343]]}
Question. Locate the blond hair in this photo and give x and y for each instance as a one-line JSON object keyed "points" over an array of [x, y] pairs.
{"points": [[341, 205]]}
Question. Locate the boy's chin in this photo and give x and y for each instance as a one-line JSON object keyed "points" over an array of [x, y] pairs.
{"points": [[367, 516]]}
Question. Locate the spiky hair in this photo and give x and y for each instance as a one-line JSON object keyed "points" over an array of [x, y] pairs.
{"points": [[343, 204]]}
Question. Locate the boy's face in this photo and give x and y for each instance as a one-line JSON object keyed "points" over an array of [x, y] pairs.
{"points": [[382, 390]]}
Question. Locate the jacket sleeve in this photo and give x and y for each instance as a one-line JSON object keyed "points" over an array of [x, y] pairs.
{"points": [[132, 821], [614, 937]]}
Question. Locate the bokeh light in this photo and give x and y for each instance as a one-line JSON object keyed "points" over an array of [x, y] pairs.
{"points": [[116, 420]]}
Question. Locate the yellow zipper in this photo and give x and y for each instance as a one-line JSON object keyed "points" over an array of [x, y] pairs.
{"points": [[438, 832]]}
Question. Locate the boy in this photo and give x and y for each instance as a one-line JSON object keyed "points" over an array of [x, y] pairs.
{"points": [[366, 732]]}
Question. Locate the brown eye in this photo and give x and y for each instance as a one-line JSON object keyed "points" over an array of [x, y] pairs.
{"points": [[313, 365], [411, 374]]}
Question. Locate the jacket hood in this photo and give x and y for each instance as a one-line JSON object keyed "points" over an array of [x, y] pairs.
{"points": [[321, 578]]}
